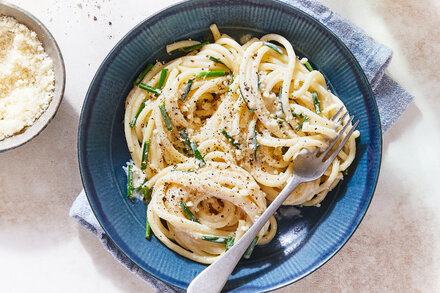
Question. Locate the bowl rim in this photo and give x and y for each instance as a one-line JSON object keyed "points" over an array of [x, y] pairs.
{"points": [[24, 136], [90, 99]]}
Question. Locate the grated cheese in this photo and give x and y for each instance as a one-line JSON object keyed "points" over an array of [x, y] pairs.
{"points": [[27, 79]]}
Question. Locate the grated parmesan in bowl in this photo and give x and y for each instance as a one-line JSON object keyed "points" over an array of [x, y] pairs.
{"points": [[32, 76], [27, 79]]}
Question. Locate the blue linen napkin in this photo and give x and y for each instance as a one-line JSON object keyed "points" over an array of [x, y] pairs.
{"points": [[392, 100]]}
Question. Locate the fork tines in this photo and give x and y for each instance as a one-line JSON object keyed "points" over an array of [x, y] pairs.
{"points": [[339, 135]]}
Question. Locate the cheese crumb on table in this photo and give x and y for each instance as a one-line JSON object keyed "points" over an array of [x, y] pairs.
{"points": [[27, 79]]}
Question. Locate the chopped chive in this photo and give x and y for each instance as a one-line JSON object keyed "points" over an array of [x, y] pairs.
{"points": [[216, 239], [147, 227], [250, 249], [187, 212], [273, 47], [165, 116], [187, 89], [232, 81], [299, 126], [231, 139], [142, 74], [280, 120], [163, 76], [194, 47], [345, 172], [150, 89], [215, 60], [316, 102], [197, 154], [280, 98], [133, 121], [215, 73], [188, 171], [309, 67], [284, 150], [255, 142], [130, 181], [244, 100], [145, 152], [300, 116], [185, 140], [258, 81], [146, 192], [229, 243]]}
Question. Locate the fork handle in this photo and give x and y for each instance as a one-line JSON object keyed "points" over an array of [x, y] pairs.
{"points": [[214, 277]]}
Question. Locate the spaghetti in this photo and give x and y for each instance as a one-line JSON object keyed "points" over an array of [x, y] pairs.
{"points": [[215, 134]]}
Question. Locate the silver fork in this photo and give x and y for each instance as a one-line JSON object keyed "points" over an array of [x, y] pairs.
{"points": [[308, 166]]}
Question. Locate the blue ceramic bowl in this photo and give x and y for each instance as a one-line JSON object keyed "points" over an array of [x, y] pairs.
{"points": [[307, 237]]}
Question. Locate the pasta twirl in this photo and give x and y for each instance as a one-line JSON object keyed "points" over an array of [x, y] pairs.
{"points": [[223, 125]]}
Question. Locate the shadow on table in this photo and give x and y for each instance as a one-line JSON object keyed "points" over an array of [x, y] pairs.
{"points": [[416, 41], [395, 242], [109, 267], [406, 123], [34, 204], [387, 251], [414, 26]]}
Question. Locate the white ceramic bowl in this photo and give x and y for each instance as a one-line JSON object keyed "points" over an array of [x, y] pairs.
{"points": [[52, 49]]}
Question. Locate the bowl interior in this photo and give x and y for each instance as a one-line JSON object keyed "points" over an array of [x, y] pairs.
{"points": [[306, 237], [52, 49]]}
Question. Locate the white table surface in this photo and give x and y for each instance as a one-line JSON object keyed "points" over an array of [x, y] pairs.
{"points": [[395, 249]]}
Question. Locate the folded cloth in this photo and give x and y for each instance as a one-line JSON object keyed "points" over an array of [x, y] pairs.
{"points": [[391, 98]]}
